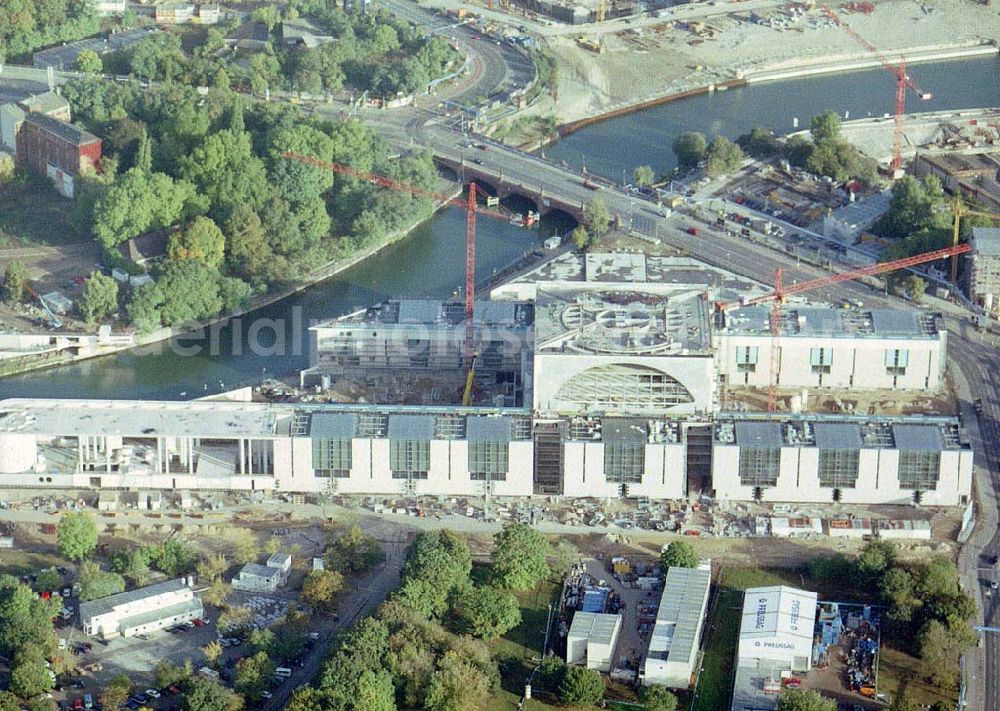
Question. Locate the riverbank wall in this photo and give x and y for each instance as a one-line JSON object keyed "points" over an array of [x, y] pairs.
{"points": [[802, 68]]}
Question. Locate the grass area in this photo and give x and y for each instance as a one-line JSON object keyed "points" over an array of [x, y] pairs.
{"points": [[20, 562], [737, 578], [716, 680], [33, 213]]}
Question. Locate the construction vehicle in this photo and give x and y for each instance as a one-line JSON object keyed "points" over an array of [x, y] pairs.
{"points": [[781, 292], [54, 321], [903, 82]]}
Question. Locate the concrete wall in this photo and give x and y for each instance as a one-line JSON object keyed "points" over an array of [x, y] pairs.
{"points": [[877, 482], [856, 362]]}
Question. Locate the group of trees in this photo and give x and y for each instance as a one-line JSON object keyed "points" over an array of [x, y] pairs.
{"points": [[679, 554], [27, 640], [721, 156], [424, 647], [927, 612], [828, 153], [596, 223], [26, 25], [243, 217]]}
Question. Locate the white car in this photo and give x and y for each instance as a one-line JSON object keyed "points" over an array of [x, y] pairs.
{"points": [[153, 693], [266, 694]]}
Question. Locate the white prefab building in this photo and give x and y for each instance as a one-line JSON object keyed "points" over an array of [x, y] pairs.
{"points": [[622, 350], [833, 348], [673, 646], [140, 611], [592, 638], [816, 459], [254, 577], [777, 627]]}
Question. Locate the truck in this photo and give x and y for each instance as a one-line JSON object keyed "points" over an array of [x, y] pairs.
{"points": [[692, 230]]}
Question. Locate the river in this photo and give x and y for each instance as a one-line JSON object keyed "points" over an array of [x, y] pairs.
{"points": [[430, 261]]}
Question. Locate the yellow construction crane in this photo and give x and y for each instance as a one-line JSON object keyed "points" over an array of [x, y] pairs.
{"points": [[602, 9], [958, 211], [467, 395]]}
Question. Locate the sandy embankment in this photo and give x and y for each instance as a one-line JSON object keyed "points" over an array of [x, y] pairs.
{"points": [[640, 65]]}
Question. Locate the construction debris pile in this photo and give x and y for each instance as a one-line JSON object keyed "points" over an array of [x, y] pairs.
{"points": [[852, 633]]}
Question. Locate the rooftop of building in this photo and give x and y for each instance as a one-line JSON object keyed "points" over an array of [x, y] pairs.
{"points": [[778, 610], [986, 241], [863, 212], [588, 319], [104, 605], [44, 103], [304, 31], [595, 627], [678, 617], [258, 570], [63, 129], [809, 321], [435, 312], [413, 425], [955, 163], [638, 268], [841, 432], [624, 430], [101, 45], [185, 607], [749, 683]]}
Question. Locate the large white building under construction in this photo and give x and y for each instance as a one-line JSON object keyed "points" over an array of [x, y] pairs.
{"points": [[359, 449]]}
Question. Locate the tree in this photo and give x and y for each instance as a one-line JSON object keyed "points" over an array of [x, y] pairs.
{"points": [[940, 647], [212, 651], [201, 239], [9, 701], [487, 612], [376, 691], [248, 252], [88, 62], [116, 693], [903, 703], [321, 587], [825, 128], [95, 583], [76, 535], [132, 564], [643, 176], [225, 170], [25, 618], [724, 157], [262, 640], [679, 554], [874, 561], [253, 675], [596, 217], [48, 579], [172, 558], [167, 674], [689, 148], [190, 292], [246, 546], [804, 700], [212, 566], [299, 182], [657, 697], [897, 588], [798, 150], [272, 546], [457, 685], [580, 237], [206, 695], [216, 593], [15, 281], [100, 298], [581, 687], [760, 143], [519, 559], [916, 286], [353, 552], [29, 676]]}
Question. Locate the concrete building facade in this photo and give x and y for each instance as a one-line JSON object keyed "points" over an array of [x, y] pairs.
{"points": [[833, 348], [983, 273], [850, 460]]}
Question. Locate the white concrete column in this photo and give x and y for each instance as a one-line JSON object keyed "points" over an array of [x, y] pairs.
{"points": [[243, 457], [107, 455]]}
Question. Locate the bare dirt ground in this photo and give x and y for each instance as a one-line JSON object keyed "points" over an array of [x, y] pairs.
{"points": [[650, 61]]}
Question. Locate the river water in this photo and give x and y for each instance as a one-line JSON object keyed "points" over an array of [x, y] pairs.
{"points": [[430, 262]]}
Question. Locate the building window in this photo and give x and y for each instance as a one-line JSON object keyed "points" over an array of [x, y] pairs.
{"points": [[624, 462], [919, 470], [896, 360], [821, 359], [409, 459], [488, 461], [759, 466], [838, 468], [746, 359], [331, 457]]}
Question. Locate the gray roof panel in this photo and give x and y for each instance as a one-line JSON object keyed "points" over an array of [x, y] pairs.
{"points": [[837, 435], [488, 429], [758, 434], [624, 431], [986, 241], [418, 311], [917, 438], [895, 322], [412, 427], [340, 425]]}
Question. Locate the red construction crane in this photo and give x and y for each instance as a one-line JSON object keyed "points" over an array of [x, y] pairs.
{"points": [[903, 81], [468, 203], [777, 297]]}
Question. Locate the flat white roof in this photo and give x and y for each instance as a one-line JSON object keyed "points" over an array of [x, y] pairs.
{"points": [[778, 611], [595, 627], [678, 618]]}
